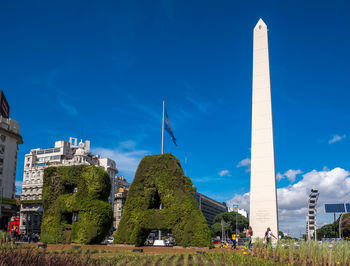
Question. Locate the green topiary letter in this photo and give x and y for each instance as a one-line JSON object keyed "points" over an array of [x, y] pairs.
{"points": [[160, 179], [75, 204]]}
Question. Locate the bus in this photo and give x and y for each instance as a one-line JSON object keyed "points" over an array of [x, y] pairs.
{"points": [[14, 224]]}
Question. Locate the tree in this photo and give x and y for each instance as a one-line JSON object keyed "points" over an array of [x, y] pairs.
{"points": [[327, 231], [229, 223], [281, 234], [332, 230]]}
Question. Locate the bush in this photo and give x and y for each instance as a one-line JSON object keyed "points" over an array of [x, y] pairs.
{"points": [[160, 179], [9, 201], [89, 203]]}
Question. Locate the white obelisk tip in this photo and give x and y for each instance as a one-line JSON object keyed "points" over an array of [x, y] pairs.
{"points": [[260, 25]]}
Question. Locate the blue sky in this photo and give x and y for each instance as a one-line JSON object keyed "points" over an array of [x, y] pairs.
{"points": [[100, 70]]}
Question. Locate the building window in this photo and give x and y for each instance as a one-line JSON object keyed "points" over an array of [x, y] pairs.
{"points": [[2, 149], [56, 157], [0, 171], [49, 151], [3, 138], [1, 161]]}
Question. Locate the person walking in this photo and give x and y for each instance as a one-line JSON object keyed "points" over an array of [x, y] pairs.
{"points": [[248, 235], [268, 235]]}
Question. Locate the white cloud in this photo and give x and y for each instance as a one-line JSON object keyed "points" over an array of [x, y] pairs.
{"points": [[336, 138], [224, 173], [290, 175], [279, 176], [333, 185], [244, 163], [325, 168], [126, 157], [242, 201]]}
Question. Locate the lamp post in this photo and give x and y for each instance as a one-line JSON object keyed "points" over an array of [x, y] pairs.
{"points": [[222, 230], [340, 221]]}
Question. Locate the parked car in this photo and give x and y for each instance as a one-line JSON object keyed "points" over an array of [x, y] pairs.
{"points": [[170, 241], [149, 241], [108, 240]]}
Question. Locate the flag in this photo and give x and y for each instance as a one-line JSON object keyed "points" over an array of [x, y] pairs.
{"points": [[235, 208], [167, 127]]}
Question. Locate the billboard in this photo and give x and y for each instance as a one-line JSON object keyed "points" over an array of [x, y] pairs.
{"points": [[335, 208], [4, 106], [235, 208]]}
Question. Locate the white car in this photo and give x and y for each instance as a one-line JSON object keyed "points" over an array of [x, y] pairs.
{"points": [[108, 240]]}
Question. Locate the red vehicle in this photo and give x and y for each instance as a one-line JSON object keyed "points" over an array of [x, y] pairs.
{"points": [[14, 224]]}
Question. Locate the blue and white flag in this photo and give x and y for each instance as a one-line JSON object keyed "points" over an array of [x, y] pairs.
{"points": [[167, 127]]}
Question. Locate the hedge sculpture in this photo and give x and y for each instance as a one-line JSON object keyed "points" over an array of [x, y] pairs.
{"points": [[160, 179], [78, 193]]}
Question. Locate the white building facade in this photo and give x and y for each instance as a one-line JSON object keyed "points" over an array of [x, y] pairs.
{"points": [[121, 191], [64, 153], [119, 202], [10, 138]]}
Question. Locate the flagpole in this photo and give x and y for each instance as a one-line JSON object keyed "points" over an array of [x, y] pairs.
{"points": [[161, 205], [163, 128]]}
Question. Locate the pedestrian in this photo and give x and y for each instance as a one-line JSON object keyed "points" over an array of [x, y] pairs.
{"points": [[268, 235], [248, 235], [234, 244], [32, 236]]}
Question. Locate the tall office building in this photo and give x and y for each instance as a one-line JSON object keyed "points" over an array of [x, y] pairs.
{"points": [[64, 153], [209, 207], [311, 225]]}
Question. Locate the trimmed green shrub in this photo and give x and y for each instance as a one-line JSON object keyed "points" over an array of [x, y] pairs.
{"points": [[31, 202], [160, 179], [9, 201], [76, 190]]}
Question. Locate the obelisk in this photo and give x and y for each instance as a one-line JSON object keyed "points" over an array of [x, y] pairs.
{"points": [[263, 198]]}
